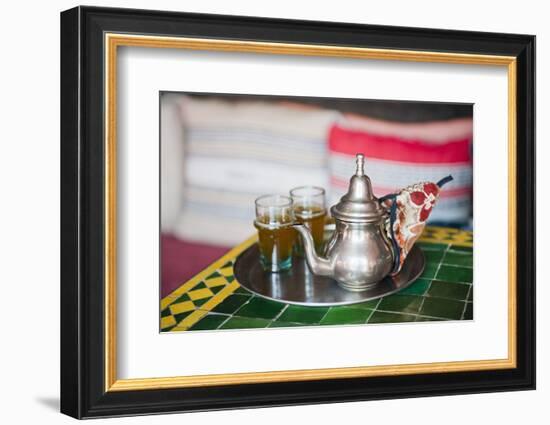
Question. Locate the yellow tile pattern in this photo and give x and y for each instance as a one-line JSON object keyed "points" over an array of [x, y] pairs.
{"points": [[199, 294], [205, 308], [447, 235], [218, 281], [166, 322], [182, 307], [215, 266]]}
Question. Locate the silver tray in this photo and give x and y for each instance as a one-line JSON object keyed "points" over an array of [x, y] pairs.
{"points": [[299, 286]]}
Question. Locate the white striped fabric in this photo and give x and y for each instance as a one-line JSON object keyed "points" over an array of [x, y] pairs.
{"points": [[267, 117], [257, 130], [171, 159], [196, 226], [236, 151], [257, 177]]}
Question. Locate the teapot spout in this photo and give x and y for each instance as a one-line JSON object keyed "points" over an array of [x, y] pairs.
{"points": [[318, 265]]}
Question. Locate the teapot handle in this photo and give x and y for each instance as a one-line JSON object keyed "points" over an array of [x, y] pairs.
{"points": [[392, 218], [444, 181]]}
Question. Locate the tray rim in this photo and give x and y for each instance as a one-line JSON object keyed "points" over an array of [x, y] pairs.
{"points": [[254, 245]]}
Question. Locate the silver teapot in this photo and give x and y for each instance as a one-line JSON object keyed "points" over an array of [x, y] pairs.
{"points": [[359, 253]]}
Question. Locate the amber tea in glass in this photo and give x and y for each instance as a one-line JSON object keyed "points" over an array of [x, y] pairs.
{"points": [[309, 209], [276, 236]]}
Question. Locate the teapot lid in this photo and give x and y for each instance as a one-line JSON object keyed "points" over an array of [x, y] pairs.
{"points": [[359, 204]]}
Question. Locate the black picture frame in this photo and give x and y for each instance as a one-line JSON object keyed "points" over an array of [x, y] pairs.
{"points": [[83, 392]]}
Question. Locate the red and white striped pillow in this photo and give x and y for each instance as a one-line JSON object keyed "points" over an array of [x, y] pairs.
{"points": [[400, 154]]}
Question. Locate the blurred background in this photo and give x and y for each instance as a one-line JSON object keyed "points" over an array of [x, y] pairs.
{"points": [[220, 152]]}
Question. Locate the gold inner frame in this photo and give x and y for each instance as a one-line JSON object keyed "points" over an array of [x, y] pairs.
{"points": [[113, 41]]}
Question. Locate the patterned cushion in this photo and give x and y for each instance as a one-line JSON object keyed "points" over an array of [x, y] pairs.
{"points": [[398, 154], [236, 151]]}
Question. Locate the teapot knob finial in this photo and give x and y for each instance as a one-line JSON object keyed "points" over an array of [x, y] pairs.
{"points": [[360, 161]]}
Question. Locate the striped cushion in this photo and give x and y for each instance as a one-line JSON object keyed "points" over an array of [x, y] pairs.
{"points": [[280, 133], [171, 158], [398, 155], [236, 151]]}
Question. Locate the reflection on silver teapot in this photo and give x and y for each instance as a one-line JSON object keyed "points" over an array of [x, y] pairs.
{"points": [[359, 253]]}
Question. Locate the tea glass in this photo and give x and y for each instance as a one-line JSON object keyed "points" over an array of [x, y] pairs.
{"points": [[310, 210], [276, 236]]}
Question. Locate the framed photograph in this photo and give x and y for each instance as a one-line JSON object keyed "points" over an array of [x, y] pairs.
{"points": [[261, 212]]}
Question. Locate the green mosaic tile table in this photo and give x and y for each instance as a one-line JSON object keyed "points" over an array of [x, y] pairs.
{"points": [[213, 299]]}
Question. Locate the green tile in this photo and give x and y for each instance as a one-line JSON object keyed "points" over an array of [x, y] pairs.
{"points": [[461, 248], [426, 246], [245, 323], [471, 294], [301, 314], [430, 270], [428, 319], [165, 313], [181, 316], [181, 298], [243, 291], [278, 324], [202, 301], [441, 307], [168, 329], [260, 308], [200, 285], [209, 322], [432, 246], [469, 311], [231, 304], [401, 303], [419, 287], [458, 259], [455, 274], [456, 291], [217, 289], [346, 316], [371, 305], [385, 317], [433, 256]]}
